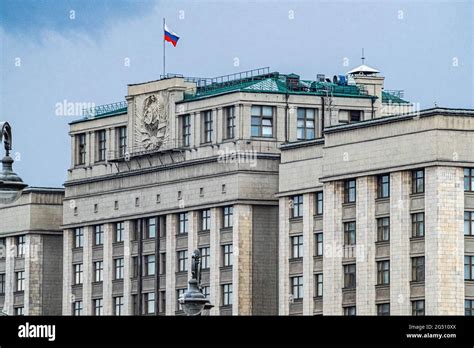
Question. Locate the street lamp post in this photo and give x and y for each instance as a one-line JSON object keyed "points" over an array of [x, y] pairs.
{"points": [[193, 300], [11, 184]]}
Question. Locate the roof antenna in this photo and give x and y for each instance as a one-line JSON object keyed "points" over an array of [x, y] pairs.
{"points": [[363, 58]]}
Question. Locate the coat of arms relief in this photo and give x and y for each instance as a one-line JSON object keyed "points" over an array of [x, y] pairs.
{"points": [[151, 121]]}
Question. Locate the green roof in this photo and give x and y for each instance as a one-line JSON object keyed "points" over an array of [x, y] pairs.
{"points": [[390, 98]]}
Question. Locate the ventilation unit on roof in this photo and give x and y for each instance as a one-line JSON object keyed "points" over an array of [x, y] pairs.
{"points": [[320, 77], [339, 80], [292, 81]]}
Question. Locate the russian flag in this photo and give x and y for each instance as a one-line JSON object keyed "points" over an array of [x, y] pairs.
{"points": [[170, 36]]}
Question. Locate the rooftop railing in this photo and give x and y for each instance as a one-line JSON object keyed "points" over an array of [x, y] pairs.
{"points": [[104, 109]]}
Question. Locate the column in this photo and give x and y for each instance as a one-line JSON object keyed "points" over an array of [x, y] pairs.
{"points": [[245, 121], [214, 282], [67, 270], [400, 232], [196, 128], [171, 230], [365, 246], [33, 274], [284, 255], [111, 143], [308, 252], [108, 269], [87, 270], [242, 267], [9, 275], [90, 147], [217, 125], [444, 241], [333, 278], [127, 269]]}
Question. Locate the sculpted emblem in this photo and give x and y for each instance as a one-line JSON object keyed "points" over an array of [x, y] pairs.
{"points": [[152, 122]]}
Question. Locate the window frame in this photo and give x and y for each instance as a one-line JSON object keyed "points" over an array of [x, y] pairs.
{"points": [[227, 294], [303, 117], [350, 191], [257, 121], [319, 203], [119, 266], [319, 284], [468, 179], [469, 222], [417, 225], [227, 255], [228, 216], [205, 257], [78, 271], [469, 267], [417, 310], [98, 271], [101, 143], [149, 265], [319, 242], [381, 311], [19, 281], [350, 235], [296, 206], [98, 235], [182, 260], [81, 149], [297, 246], [230, 121], [383, 186], [383, 272], [418, 269], [207, 122], [383, 230], [296, 283], [205, 220], [416, 179], [183, 225], [186, 130], [350, 276], [118, 304]]}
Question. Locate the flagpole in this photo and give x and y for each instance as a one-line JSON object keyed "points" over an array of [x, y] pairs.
{"points": [[164, 49]]}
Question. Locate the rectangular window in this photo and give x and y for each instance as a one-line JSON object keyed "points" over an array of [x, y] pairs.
{"points": [[135, 266], [2, 283], [418, 181], [227, 254], [183, 223], [149, 302], [163, 263], [355, 115], [19, 310], [227, 294], [119, 266], [296, 205], [297, 246], [20, 246], [469, 179], [469, 307], [297, 287], [118, 305], [98, 306], [228, 216], [149, 265], [81, 149], [418, 269], [468, 267], [230, 122], [206, 291], [78, 237], [179, 294], [319, 244], [101, 145], [350, 311], [349, 191], [150, 228], [98, 271], [418, 224], [20, 281], [383, 186], [383, 229], [99, 235], [383, 272], [349, 276], [468, 223], [186, 130], [2, 248], [182, 261], [418, 307], [122, 141], [119, 230], [207, 126], [319, 203], [205, 257], [77, 308], [206, 220], [383, 309], [319, 284], [305, 124], [350, 233], [78, 273], [262, 121]]}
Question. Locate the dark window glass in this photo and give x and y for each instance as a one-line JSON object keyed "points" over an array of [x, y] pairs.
{"points": [[383, 186], [305, 124], [418, 181], [350, 191], [383, 229], [418, 269], [349, 276], [350, 233], [418, 224]]}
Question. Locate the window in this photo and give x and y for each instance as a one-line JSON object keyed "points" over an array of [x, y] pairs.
{"points": [[319, 244], [418, 181], [297, 246], [186, 129], [205, 257], [230, 122], [20, 281], [78, 274], [3, 249], [383, 272], [182, 261], [468, 223], [179, 294], [468, 267], [207, 121], [149, 301], [135, 308], [319, 203], [418, 269], [20, 244], [151, 228], [78, 237], [349, 276], [135, 266], [469, 307], [163, 263], [350, 233], [183, 223], [163, 301], [98, 306], [350, 311], [262, 121], [228, 217], [418, 307], [149, 265], [101, 144], [206, 291], [227, 294], [469, 179], [227, 255], [2, 283], [118, 305], [122, 141], [383, 229], [81, 149], [383, 186], [98, 271], [77, 308], [119, 265], [296, 204], [319, 284], [297, 287], [99, 235], [383, 309], [418, 224], [19, 310], [206, 220], [119, 230], [355, 115], [305, 124], [349, 191]]}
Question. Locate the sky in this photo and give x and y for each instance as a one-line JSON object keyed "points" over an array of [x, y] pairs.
{"points": [[87, 51]]}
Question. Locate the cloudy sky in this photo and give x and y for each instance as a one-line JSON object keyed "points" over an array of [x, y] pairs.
{"points": [[87, 51]]}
